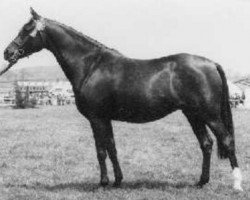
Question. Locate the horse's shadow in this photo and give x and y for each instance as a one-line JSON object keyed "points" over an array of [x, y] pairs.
{"points": [[91, 186]]}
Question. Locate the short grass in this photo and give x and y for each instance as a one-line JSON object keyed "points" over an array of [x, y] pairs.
{"points": [[49, 154]]}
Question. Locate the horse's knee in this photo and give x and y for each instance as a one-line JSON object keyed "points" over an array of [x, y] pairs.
{"points": [[207, 145], [101, 154], [228, 142], [112, 152], [226, 147]]}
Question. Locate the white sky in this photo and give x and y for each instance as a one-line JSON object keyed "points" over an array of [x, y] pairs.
{"points": [[216, 29]]}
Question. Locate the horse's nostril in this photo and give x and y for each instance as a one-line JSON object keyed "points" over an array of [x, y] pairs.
{"points": [[21, 51], [11, 53], [8, 54]]}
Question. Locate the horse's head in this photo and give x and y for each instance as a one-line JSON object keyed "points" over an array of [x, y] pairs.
{"points": [[30, 39]]}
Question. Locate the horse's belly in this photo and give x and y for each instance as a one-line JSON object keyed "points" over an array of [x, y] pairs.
{"points": [[142, 114]]}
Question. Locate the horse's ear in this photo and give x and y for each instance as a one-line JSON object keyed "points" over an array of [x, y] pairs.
{"points": [[34, 14]]}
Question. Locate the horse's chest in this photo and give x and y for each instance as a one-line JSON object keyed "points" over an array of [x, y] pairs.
{"points": [[92, 101]]}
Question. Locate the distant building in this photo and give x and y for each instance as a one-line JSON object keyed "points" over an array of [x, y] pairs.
{"points": [[234, 90], [244, 84], [7, 93], [54, 92], [44, 87], [38, 87], [61, 88]]}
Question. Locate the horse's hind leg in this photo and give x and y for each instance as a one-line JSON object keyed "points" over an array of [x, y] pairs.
{"points": [[206, 144], [226, 147]]}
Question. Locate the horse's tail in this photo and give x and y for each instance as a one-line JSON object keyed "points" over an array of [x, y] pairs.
{"points": [[226, 113]]}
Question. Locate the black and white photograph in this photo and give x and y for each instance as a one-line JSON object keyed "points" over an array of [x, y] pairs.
{"points": [[125, 99]]}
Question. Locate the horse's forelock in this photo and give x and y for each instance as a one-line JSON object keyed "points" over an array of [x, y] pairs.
{"points": [[40, 26]]}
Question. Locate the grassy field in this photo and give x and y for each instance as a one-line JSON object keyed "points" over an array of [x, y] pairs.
{"points": [[49, 154]]}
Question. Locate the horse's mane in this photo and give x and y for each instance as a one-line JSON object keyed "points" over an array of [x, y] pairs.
{"points": [[82, 37]]}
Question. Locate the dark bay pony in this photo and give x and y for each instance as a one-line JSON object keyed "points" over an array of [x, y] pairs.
{"points": [[109, 86]]}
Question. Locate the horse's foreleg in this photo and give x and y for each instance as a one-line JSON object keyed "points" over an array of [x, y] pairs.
{"points": [[100, 131], [113, 157], [206, 144], [105, 142]]}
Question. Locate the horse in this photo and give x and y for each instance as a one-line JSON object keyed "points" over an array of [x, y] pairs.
{"points": [[110, 86]]}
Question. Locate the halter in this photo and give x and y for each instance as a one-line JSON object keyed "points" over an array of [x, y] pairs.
{"points": [[40, 26]]}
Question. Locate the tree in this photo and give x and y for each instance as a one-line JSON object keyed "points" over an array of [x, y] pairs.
{"points": [[18, 96], [23, 100]]}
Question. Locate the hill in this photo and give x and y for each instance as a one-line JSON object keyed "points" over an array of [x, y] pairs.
{"points": [[34, 73]]}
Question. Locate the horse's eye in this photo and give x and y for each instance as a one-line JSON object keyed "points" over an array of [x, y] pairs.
{"points": [[23, 33], [28, 28]]}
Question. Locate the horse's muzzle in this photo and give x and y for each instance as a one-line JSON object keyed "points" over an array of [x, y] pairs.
{"points": [[8, 54], [13, 56]]}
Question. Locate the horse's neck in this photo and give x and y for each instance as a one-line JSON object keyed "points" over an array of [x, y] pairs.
{"points": [[70, 53]]}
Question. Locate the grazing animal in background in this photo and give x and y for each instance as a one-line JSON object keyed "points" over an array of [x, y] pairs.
{"points": [[109, 86]]}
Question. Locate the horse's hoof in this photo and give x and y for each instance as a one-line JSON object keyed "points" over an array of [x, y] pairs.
{"points": [[198, 185], [238, 188], [117, 183], [201, 183], [104, 182]]}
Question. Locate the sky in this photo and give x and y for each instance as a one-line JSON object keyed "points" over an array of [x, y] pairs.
{"points": [[216, 29]]}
